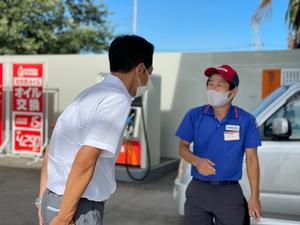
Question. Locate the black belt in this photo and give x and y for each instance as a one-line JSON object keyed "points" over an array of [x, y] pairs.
{"points": [[217, 182]]}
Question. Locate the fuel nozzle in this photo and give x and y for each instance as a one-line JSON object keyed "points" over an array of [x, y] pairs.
{"points": [[129, 126]]}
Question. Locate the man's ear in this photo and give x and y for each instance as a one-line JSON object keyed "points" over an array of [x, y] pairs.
{"points": [[235, 91], [140, 68]]}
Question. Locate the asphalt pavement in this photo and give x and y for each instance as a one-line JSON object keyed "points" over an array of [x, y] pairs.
{"points": [[149, 203]]}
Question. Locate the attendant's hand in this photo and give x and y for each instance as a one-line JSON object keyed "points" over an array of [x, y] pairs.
{"points": [[254, 208], [204, 166]]}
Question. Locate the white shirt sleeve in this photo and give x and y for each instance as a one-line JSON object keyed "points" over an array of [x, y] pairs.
{"points": [[107, 125]]}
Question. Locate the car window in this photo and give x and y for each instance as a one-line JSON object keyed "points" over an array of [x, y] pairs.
{"points": [[269, 100], [291, 111]]}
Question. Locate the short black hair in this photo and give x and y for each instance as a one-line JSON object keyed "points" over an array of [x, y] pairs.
{"points": [[127, 51]]}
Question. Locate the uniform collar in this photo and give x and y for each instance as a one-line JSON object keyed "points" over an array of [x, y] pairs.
{"points": [[232, 114], [117, 82]]}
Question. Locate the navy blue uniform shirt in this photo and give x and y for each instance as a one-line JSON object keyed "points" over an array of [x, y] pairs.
{"points": [[223, 142]]}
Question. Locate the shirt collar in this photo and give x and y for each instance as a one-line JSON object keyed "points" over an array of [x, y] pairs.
{"points": [[116, 81], [232, 114]]}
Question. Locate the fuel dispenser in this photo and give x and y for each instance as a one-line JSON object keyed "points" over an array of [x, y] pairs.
{"points": [[140, 150]]}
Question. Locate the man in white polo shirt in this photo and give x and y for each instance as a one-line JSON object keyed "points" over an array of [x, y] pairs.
{"points": [[78, 172]]}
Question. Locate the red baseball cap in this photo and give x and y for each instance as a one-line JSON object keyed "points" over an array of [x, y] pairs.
{"points": [[226, 71]]}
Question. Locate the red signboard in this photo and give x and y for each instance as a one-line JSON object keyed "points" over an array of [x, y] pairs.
{"points": [[27, 108], [27, 140], [28, 121], [1, 104], [27, 87]]}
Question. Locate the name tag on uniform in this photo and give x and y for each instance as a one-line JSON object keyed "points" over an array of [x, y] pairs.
{"points": [[232, 127], [231, 136]]}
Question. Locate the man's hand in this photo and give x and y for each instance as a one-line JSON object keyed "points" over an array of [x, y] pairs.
{"points": [[40, 215], [204, 166], [254, 208], [60, 221]]}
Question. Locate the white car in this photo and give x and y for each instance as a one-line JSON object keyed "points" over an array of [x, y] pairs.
{"points": [[278, 118]]}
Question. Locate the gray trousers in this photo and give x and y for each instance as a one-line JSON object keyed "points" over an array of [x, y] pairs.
{"points": [[208, 204], [87, 213]]}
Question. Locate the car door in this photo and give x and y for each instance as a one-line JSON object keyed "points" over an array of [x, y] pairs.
{"points": [[280, 163]]}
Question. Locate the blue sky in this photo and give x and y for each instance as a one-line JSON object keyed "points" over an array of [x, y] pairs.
{"points": [[200, 25]]}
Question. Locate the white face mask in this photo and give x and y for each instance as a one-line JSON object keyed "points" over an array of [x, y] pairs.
{"points": [[140, 90], [217, 99]]}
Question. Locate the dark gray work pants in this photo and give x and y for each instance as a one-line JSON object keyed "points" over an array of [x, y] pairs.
{"points": [[208, 204]]}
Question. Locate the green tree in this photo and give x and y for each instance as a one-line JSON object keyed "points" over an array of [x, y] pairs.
{"points": [[292, 18], [53, 27]]}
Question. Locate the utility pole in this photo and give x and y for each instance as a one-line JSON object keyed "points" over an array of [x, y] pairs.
{"points": [[134, 18], [256, 39]]}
